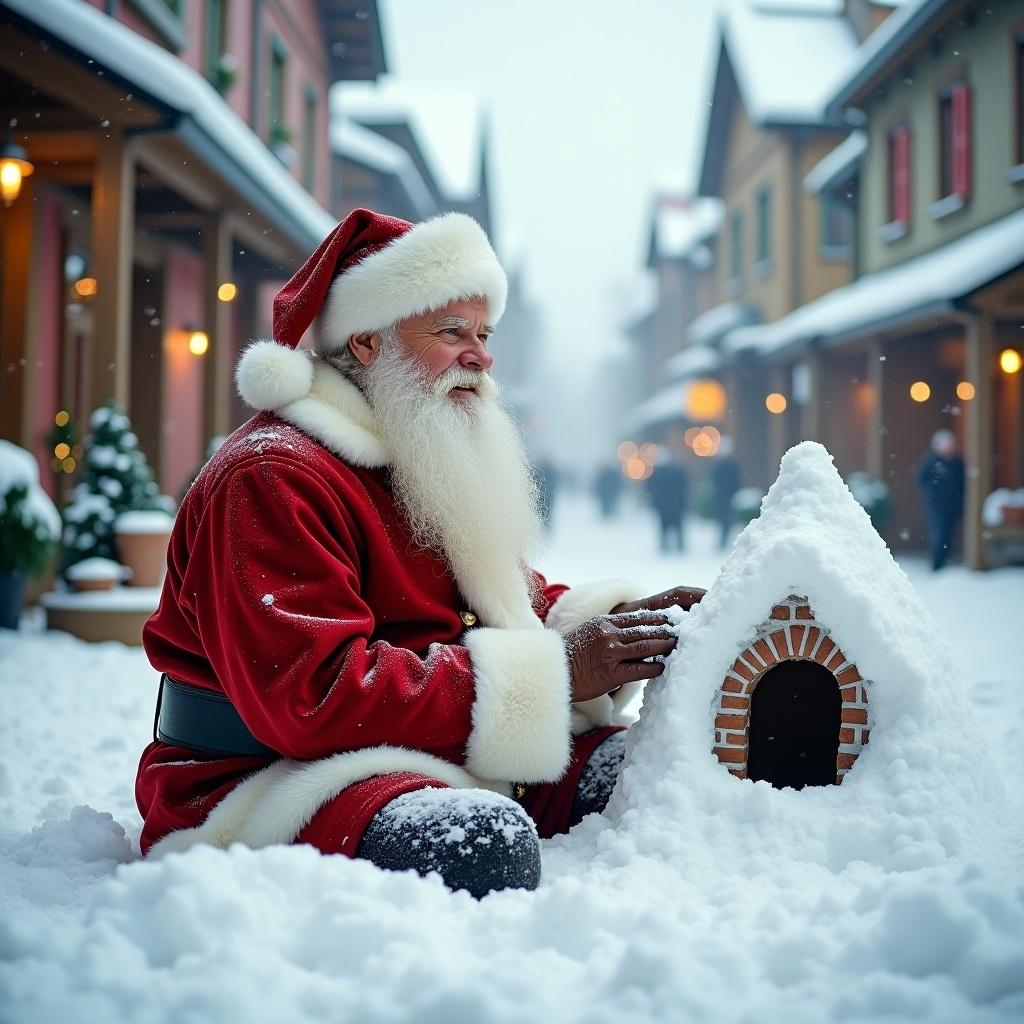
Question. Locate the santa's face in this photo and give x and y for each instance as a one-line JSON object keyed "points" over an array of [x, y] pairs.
{"points": [[454, 335]]}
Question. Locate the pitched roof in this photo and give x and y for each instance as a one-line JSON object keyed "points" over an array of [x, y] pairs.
{"points": [[679, 227]]}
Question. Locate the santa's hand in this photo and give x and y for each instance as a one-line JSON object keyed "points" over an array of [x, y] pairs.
{"points": [[685, 597], [609, 650]]}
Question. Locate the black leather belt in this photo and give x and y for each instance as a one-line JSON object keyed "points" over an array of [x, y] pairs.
{"points": [[203, 720]]}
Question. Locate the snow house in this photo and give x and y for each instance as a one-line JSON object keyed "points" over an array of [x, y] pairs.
{"points": [[792, 709]]}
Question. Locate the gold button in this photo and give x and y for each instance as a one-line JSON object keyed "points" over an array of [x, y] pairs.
{"points": [[468, 618], [518, 790]]}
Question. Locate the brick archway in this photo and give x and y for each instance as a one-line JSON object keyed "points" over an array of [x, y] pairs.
{"points": [[792, 632]]}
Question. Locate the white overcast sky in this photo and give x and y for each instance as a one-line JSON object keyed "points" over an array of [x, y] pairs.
{"points": [[593, 107]]}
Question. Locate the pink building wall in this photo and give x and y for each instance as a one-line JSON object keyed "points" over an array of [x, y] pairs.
{"points": [[181, 441], [48, 324]]}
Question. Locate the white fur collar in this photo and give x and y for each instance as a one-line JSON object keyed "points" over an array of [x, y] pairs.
{"points": [[337, 414]]}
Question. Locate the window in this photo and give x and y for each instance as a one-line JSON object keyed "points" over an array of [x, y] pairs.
{"points": [[955, 141], [899, 175], [276, 130], [736, 251], [1018, 71], [836, 224], [309, 139], [764, 228], [216, 37]]}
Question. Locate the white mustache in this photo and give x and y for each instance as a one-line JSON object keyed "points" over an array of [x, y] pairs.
{"points": [[461, 377]]}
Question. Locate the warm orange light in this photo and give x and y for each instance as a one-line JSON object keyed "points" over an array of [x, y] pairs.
{"points": [[12, 170], [691, 435], [648, 452], [919, 391], [706, 400], [69, 465], [965, 391], [1010, 360], [227, 291], [775, 403], [86, 286], [62, 451], [63, 418], [198, 343], [714, 433], [635, 469], [627, 450], [704, 445]]}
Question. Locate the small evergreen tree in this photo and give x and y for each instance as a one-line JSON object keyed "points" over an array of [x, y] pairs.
{"points": [[115, 478]]}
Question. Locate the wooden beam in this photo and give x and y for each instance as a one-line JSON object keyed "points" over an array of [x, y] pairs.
{"points": [[113, 226], [978, 434], [17, 232], [217, 315]]}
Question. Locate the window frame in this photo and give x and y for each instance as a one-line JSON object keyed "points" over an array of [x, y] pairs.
{"points": [[763, 204], [310, 109], [737, 269], [899, 203], [276, 88]]}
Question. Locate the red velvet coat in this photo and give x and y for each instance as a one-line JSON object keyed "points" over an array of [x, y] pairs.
{"points": [[293, 587]]}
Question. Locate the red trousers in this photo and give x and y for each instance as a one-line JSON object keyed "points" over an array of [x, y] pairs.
{"points": [[339, 825]]}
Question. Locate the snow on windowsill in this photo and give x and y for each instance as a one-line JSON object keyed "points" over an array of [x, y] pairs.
{"points": [[946, 206], [893, 231]]}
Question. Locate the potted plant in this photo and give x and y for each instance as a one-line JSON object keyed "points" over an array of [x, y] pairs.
{"points": [[29, 528], [1004, 507], [96, 574]]}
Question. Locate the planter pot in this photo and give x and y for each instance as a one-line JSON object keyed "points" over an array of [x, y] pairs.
{"points": [[83, 585], [142, 542], [12, 594], [1013, 515]]}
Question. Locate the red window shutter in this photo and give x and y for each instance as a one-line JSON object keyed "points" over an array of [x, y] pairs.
{"points": [[961, 102], [901, 174]]}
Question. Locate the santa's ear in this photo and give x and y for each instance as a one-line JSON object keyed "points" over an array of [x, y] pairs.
{"points": [[364, 346]]}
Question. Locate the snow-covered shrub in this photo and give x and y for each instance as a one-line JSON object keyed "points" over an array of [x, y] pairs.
{"points": [[29, 522], [873, 496], [746, 504], [116, 478], [1003, 497]]}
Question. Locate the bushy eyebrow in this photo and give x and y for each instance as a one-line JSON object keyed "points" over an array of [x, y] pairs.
{"points": [[459, 321]]}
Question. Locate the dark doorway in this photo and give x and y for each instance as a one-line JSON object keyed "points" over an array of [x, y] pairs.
{"points": [[794, 726]]}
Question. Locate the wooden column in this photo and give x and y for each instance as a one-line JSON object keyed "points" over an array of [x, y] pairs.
{"points": [[17, 231], [978, 434], [217, 324], [878, 378], [113, 237]]}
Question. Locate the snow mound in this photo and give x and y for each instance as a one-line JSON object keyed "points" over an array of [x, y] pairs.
{"points": [[922, 786]]}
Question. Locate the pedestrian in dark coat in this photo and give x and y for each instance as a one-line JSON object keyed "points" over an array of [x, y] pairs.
{"points": [[668, 492], [725, 482], [941, 479]]}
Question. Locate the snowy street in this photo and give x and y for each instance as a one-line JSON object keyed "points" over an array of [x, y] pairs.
{"points": [[741, 912]]}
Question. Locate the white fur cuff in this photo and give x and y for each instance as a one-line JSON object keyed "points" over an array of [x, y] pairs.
{"points": [[580, 603], [521, 711]]}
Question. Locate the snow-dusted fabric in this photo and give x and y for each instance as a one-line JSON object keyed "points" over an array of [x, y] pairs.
{"points": [[294, 586]]}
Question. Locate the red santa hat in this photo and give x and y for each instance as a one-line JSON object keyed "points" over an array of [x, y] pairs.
{"points": [[370, 272]]}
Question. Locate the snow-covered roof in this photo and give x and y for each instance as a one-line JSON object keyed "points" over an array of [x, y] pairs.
{"points": [[448, 124], [663, 406], [681, 225], [883, 47], [693, 361], [707, 328], [838, 164], [149, 69], [925, 772], [787, 57], [927, 283], [370, 149]]}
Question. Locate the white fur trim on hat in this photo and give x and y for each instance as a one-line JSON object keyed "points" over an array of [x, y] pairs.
{"points": [[270, 375], [432, 264]]}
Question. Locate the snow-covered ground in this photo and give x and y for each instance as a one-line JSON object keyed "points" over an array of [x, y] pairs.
{"points": [[739, 913]]}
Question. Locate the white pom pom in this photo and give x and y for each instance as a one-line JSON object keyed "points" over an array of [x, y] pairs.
{"points": [[269, 375]]}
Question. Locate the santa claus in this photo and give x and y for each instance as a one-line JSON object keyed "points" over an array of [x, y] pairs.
{"points": [[355, 652]]}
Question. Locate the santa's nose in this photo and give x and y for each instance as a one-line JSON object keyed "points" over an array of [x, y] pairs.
{"points": [[476, 357]]}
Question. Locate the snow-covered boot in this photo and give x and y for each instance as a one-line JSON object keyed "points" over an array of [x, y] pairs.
{"points": [[597, 779], [474, 839]]}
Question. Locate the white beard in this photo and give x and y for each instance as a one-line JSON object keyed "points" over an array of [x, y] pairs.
{"points": [[460, 473]]}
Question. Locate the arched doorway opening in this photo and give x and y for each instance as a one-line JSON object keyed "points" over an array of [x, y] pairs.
{"points": [[795, 712]]}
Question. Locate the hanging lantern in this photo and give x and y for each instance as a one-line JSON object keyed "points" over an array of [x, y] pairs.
{"points": [[14, 166]]}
